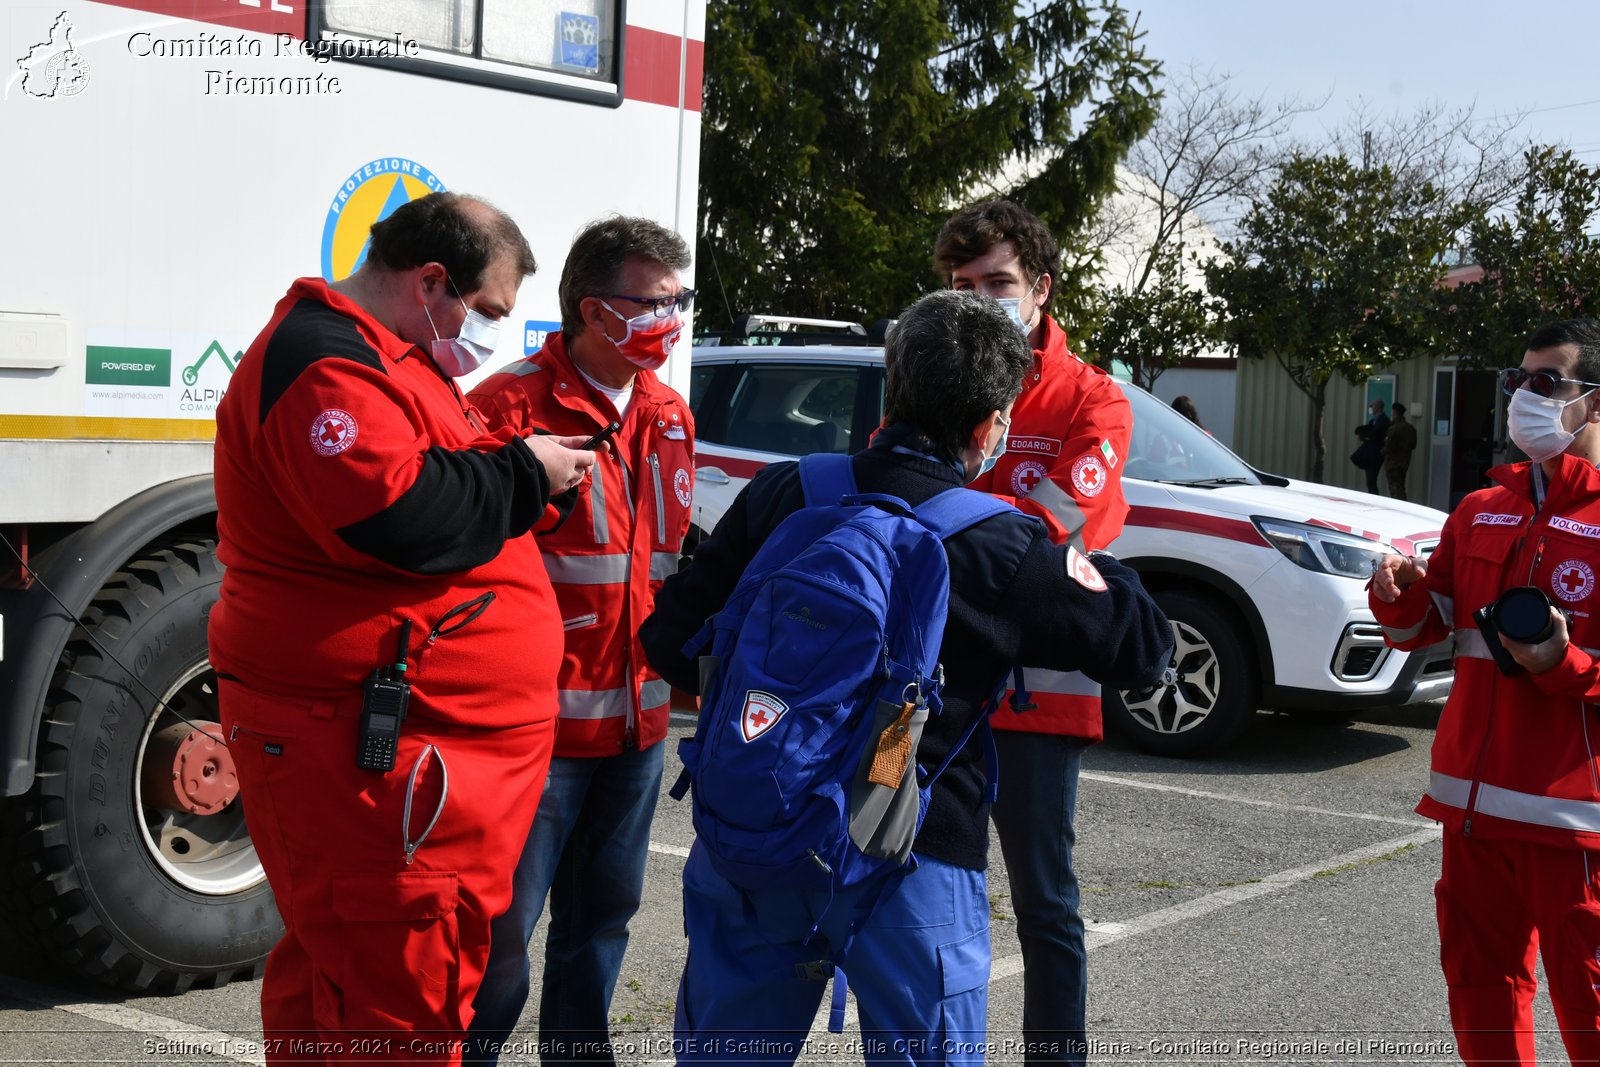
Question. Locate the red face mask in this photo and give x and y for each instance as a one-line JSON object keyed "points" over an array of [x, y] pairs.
{"points": [[649, 340]]}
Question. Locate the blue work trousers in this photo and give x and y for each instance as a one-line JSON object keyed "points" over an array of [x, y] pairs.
{"points": [[1038, 795], [586, 852], [919, 968]]}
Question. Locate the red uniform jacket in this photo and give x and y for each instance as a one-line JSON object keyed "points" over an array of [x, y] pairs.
{"points": [[618, 545], [355, 491], [1069, 435], [1514, 756]]}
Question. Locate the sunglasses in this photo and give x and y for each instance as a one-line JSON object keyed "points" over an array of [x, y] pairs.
{"points": [[661, 306], [1540, 382]]}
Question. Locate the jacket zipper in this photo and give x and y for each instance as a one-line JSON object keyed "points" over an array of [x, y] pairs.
{"points": [[661, 504], [1488, 730]]}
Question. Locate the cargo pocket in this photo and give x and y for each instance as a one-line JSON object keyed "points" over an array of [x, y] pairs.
{"points": [[963, 1011], [884, 819], [401, 950]]}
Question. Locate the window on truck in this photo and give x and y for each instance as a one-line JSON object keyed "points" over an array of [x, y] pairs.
{"points": [[564, 48]]}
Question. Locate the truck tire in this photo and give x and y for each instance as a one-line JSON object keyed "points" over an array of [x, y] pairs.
{"points": [[131, 850], [1208, 698]]}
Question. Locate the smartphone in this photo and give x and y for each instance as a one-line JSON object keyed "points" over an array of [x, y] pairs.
{"points": [[600, 438]]}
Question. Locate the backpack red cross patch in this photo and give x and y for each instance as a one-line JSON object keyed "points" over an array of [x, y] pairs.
{"points": [[761, 713]]}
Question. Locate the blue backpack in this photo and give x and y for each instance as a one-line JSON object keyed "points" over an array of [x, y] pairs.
{"points": [[822, 670]]}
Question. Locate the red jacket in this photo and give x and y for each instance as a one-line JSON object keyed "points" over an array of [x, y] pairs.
{"points": [[621, 541], [1514, 757], [355, 490], [1069, 435]]}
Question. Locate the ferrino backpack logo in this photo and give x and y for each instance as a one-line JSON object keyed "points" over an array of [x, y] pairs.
{"points": [[821, 672]]}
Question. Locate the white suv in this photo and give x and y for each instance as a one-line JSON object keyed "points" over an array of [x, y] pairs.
{"points": [[1262, 577]]}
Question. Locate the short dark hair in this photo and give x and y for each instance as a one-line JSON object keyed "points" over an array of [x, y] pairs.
{"points": [[594, 265], [1584, 333], [463, 233], [975, 229], [1401, 408], [951, 359]]}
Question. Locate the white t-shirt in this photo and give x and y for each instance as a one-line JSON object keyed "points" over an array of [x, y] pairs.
{"points": [[620, 398]]}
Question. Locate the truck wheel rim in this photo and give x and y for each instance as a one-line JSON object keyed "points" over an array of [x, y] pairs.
{"points": [[209, 854]]}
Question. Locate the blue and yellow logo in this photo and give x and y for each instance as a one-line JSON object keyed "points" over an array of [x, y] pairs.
{"points": [[370, 194]]}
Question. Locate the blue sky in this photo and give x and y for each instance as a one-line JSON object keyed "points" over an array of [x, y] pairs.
{"points": [[1538, 56]]}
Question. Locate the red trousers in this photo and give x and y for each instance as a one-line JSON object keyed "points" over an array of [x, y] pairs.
{"points": [[381, 957], [1502, 903]]}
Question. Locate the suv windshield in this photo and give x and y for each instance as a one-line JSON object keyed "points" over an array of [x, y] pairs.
{"points": [[1167, 447]]}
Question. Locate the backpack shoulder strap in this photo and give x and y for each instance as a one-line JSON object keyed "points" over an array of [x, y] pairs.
{"points": [[826, 477], [957, 509]]}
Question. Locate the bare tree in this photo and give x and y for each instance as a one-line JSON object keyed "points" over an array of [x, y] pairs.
{"points": [[1474, 162], [1211, 153]]}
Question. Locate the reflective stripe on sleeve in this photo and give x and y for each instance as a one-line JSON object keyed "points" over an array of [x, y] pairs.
{"points": [[587, 570], [663, 565], [1397, 635]]}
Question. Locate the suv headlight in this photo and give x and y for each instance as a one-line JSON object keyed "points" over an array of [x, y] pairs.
{"points": [[1317, 548]]}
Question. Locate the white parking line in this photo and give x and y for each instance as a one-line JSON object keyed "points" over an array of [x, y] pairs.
{"points": [[1099, 935], [1236, 798], [185, 1040]]}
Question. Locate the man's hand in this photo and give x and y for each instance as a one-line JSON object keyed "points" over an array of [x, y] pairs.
{"points": [[565, 464], [1536, 659], [1394, 573]]}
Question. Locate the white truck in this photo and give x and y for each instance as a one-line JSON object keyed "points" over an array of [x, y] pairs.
{"points": [[171, 166]]}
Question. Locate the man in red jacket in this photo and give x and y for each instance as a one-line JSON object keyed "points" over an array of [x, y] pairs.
{"points": [[1069, 434], [622, 307], [1515, 773], [371, 526]]}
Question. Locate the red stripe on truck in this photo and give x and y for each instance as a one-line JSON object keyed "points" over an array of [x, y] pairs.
{"points": [[650, 68], [264, 16]]}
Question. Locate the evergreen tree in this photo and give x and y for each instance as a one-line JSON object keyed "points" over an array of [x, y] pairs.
{"points": [[839, 136]]}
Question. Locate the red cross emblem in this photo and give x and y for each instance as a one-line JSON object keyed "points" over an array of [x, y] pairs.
{"points": [[1026, 476], [761, 713], [1572, 580], [332, 432], [1089, 474]]}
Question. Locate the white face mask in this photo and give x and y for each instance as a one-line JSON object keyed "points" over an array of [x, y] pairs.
{"points": [[1012, 306], [1534, 422], [469, 349]]}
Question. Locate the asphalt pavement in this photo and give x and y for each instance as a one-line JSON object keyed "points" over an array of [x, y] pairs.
{"points": [[1272, 905]]}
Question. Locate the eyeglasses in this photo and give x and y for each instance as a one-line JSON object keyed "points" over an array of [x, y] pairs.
{"points": [[1540, 382], [661, 306]]}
